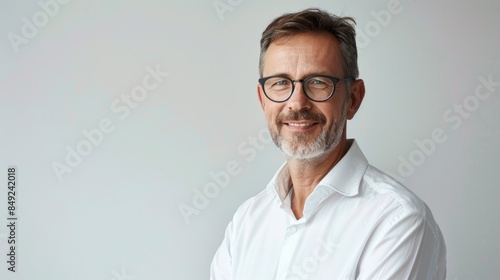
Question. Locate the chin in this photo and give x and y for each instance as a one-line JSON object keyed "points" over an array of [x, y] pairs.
{"points": [[311, 151]]}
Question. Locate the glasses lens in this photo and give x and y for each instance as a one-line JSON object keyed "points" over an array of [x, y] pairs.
{"points": [[319, 88], [278, 88]]}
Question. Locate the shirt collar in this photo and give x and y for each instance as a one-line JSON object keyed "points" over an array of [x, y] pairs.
{"points": [[344, 178]]}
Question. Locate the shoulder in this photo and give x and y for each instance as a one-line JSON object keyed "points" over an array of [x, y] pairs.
{"points": [[384, 187], [398, 204], [252, 206]]}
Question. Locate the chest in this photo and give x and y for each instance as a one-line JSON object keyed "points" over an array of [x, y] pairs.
{"points": [[328, 244]]}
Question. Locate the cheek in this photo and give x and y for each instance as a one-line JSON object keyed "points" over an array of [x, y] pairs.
{"points": [[272, 112], [332, 113]]}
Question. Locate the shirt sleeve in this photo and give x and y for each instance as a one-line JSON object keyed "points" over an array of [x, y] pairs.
{"points": [[221, 263], [407, 246]]}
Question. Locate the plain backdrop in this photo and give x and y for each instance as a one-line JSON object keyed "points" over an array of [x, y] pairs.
{"points": [[196, 141]]}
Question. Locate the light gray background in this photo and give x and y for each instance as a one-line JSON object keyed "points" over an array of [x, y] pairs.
{"points": [[116, 216]]}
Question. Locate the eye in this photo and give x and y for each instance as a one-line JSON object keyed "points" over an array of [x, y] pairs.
{"points": [[282, 82], [319, 83], [278, 83]]}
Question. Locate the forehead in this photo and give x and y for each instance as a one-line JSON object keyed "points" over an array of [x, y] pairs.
{"points": [[304, 54]]}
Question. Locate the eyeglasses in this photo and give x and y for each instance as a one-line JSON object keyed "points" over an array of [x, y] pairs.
{"points": [[317, 88]]}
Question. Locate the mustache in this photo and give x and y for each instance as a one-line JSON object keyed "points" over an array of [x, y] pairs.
{"points": [[306, 115]]}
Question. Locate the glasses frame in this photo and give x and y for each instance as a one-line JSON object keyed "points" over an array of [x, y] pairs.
{"points": [[334, 80]]}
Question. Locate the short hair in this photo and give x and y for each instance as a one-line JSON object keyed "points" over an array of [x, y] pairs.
{"points": [[315, 21]]}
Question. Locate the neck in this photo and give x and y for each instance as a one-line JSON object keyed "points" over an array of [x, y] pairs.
{"points": [[306, 174]]}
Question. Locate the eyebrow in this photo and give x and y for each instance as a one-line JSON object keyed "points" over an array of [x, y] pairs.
{"points": [[308, 75]]}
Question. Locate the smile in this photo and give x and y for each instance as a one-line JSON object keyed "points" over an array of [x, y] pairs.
{"points": [[300, 124]]}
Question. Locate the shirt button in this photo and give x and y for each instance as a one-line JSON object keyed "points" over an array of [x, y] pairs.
{"points": [[292, 230]]}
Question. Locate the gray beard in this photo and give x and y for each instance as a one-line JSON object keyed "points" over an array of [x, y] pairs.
{"points": [[298, 147]]}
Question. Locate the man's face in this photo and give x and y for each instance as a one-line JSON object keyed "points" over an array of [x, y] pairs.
{"points": [[300, 127]]}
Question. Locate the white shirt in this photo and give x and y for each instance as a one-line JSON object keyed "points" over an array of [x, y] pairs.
{"points": [[358, 223]]}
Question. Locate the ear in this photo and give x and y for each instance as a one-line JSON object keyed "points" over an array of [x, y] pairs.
{"points": [[262, 98], [357, 95]]}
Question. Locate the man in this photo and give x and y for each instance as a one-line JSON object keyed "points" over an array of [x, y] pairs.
{"points": [[327, 213]]}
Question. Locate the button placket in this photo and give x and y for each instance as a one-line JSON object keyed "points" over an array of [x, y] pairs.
{"points": [[289, 249], [292, 229]]}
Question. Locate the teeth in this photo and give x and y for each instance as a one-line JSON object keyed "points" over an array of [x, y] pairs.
{"points": [[299, 124]]}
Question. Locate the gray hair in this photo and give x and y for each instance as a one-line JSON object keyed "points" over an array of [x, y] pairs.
{"points": [[315, 21]]}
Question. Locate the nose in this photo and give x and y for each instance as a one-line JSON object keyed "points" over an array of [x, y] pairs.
{"points": [[298, 101]]}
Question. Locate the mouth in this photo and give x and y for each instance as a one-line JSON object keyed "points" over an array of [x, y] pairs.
{"points": [[300, 125], [300, 121]]}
